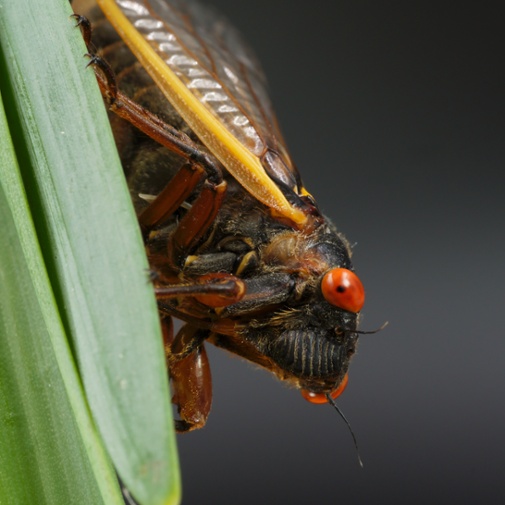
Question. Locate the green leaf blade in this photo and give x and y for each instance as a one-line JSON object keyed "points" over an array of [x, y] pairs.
{"points": [[49, 451], [92, 248]]}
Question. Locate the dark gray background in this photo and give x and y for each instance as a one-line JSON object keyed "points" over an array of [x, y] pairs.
{"points": [[394, 112]]}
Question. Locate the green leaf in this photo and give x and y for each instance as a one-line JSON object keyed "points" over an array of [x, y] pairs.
{"points": [[90, 242], [49, 450]]}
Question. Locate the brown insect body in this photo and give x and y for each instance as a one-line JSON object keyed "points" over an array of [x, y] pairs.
{"points": [[276, 315]]}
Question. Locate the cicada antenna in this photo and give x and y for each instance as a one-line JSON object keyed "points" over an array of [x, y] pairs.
{"points": [[370, 332], [333, 403]]}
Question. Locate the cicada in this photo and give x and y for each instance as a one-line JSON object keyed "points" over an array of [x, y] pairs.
{"points": [[239, 250]]}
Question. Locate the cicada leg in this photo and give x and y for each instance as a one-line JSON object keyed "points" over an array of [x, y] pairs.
{"points": [[214, 290], [200, 166], [85, 26], [189, 372], [196, 222], [147, 122]]}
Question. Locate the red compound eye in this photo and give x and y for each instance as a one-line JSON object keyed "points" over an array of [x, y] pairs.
{"points": [[342, 288], [319, 398]]}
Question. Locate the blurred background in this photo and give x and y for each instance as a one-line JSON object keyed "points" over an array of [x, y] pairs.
{"points": [[394, 113]]}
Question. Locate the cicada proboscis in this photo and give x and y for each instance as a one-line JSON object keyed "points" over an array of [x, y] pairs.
{"points": [[239, 248]]}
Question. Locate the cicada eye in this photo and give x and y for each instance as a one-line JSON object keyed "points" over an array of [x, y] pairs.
{"points": [[319, 398], [342, 288]]}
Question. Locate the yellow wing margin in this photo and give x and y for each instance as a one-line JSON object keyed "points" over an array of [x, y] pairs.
{"points": [[244, 166]]}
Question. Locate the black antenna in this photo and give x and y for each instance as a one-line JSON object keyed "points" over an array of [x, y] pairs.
{"points": [[332, 402], [360, 332]]}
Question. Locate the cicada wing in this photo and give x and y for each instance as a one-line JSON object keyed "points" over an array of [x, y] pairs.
{"points": [[210, 57]]}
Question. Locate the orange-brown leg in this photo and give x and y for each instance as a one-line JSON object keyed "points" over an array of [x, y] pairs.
{"points": [[172, 196], [190, 375], [214, 290], [147, 122], [150, 124], [196, 222]]}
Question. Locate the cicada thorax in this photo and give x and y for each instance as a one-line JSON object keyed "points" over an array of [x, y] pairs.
{"points": [[284, 321]]}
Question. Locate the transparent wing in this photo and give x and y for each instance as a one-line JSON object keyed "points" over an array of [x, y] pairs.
{"points": [[210, 58]]}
